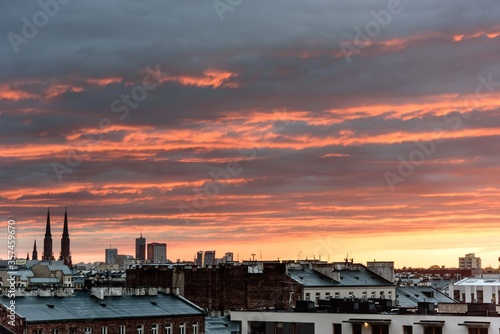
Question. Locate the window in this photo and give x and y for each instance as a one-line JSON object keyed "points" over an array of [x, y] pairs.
{"points": [[104, 330], [433, 330], [195, 328], [407, 330], [140, 329], [478, 330], [308, 296], [373, 294], [337, 294], [182, 328], [123, 329], [337, 328], [88, 330], [55, 331], [318, 295], [154, 329], [380, 329], [327, 295], [168, 329], [72, 330], [37, 331]]}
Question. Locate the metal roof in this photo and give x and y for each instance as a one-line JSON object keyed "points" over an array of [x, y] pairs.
{"points": [[221, 325], [311, 278], [43, 280], [22, 274], [410, 296], [358, 277], [82, 306], [479, 281]]}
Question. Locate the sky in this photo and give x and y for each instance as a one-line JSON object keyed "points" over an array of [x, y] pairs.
{"points": [[286, 129]]}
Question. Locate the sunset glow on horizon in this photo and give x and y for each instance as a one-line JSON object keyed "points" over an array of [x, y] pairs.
{"points": [[276, 131]]}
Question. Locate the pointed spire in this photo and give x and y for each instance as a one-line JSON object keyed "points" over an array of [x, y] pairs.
{"points": [[47, 228], [65, 229]]}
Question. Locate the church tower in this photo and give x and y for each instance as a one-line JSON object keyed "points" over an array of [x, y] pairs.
{"points": [[65, 242], [34, 255], [48, 255]]}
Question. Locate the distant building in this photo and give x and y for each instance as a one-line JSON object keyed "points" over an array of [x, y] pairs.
{"points": [[228, 257], [199, 258], [469, 261], [157, 252], [341, 280], [111, 254], [140, 248], [476, 290], [209, 259]]}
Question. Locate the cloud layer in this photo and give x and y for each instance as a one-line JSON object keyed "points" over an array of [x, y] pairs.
{"points": [[298, 128]]}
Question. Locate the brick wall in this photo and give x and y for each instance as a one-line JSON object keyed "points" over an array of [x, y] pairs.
{"points": [[224, 287]]}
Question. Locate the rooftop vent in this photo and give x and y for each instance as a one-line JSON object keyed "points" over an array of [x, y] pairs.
{"points": [[154, 303], [102, 304], [50, 306]]}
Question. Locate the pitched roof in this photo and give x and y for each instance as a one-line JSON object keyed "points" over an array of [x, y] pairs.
{"points": [[82, 306], [410, 296]]}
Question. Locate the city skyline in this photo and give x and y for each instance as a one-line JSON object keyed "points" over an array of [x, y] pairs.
{"points": [[291, 129]]}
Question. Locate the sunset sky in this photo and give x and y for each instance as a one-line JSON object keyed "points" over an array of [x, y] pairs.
{"points": [[332, 128]]}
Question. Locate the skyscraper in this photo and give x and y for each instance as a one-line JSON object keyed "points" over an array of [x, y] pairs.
{"points": [[111, 254], [140, 248], [65, 243], [48, 254], [209, 258], [157, 252]]}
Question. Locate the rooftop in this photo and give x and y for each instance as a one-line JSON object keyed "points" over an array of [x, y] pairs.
{"points": [[360, 276], [410, 296], [82, 306]]}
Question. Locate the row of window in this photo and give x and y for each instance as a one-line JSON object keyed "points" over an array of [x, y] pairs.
{"points": [[351, 293], [383, 329], [122, 329]]}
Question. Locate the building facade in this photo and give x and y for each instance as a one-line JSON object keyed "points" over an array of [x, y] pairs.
{"points": [[140, 248], [469, 261], [157, 252], [110, 255], [265, 322], [82, 314]]}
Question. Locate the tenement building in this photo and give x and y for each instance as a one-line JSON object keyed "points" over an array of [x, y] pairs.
{"points": [[83, 314]]}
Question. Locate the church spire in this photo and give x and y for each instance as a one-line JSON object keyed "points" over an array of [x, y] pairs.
{"points": [[34, 255], [65, 242], [48, 255]]}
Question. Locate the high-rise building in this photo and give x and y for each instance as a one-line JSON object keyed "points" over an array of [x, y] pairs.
{"points": [[65, 243], [140, 248], [199, 258], [209, 258], [111, 254], [157, 252], [470, 261], [48, 254]]}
